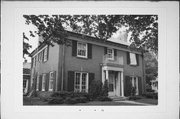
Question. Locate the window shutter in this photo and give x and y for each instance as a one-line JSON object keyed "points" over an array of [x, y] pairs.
{"points": [[70, 80], [137, 59], [91, 78], [74, 48], [115, 54], [47, 52], [127, 86], [54, 81], [128, 58], [140, 85], [43, 56], [89, 51], [32, 62], [40, 82], [105, 50], [47, 82]]}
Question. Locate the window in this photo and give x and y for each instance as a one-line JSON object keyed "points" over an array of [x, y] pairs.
{"points": [[45, 54], [43, 82], [81, 82], [133, 59], [51, 81], [134, 81], [82, 50], [40, 56], [110, 54], [37, 83]]}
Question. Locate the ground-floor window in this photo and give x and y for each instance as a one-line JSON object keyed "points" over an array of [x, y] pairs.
{"points": [[51, 81], [81, 82], [43, 82], [37, 83], [134, 81]]}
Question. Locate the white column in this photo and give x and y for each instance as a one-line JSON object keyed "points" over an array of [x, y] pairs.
{"points": [[137, 90], [122, 84], [107, 74], [103, 76]]}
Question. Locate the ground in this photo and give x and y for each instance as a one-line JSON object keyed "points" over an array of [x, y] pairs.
{"points": [[139, 102]]}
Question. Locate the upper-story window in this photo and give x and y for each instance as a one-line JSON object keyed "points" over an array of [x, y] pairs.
{"points": [[110, 53], [45, 54], [82, 49], [133, 59]]}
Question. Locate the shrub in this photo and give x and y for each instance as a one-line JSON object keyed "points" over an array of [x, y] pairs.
{"points": [[44, 95], [105, 89], [95, 89], [56, 100], [134, 97], [104, 98], [69, 100], [62, 94], [151, 95]]}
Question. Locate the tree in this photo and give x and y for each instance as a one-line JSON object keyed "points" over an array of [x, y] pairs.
{"points": [[143, 28]]}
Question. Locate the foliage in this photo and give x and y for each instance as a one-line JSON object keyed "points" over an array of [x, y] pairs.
{"points": [[142, 28], [56, 100], [104, 98], [152, 95], [95, 89], [151, 67], [133, 91], [134, 97], [105, 89]]}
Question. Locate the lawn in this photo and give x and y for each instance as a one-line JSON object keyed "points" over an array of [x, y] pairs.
{"points": [[148, 101], [37, 101]]}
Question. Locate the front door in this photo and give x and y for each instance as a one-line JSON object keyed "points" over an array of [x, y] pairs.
{"points": [[112, 83]]}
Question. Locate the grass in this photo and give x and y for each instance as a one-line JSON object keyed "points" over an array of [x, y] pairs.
{"points": [[148, 101], [37, 101]]}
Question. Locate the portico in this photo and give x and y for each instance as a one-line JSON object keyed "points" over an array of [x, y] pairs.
{"points": [[114, 76]]}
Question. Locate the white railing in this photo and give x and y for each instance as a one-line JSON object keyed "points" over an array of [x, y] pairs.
{"points": [[116, 60]]}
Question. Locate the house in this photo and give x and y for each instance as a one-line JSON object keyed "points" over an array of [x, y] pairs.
{"points": [[72, 68], [26, 76]]}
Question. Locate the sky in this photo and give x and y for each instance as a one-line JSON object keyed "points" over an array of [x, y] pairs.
{"points": [[34, 40]]}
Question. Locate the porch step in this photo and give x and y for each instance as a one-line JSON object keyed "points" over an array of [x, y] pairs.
{"points": [[116, 98]]}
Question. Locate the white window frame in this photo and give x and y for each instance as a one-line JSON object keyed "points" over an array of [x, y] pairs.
{"points": [[45, 54], [37, 83], [81, 49], [87, 80], [43, 82], [133, 84], [131, 58], [112, 54], [51, 80]]}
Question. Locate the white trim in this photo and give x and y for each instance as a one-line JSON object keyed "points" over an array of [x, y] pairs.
{"points": [[86, 50], [37, 83], [43, 80], [111, 54], [39, 51], [112, 68], [80, 81], [51, 79]]}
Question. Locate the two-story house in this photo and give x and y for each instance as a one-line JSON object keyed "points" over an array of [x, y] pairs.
{"points": [[72, 68]]}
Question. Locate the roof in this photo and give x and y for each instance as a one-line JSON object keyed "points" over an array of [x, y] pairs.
{"points": [[87, 37]]}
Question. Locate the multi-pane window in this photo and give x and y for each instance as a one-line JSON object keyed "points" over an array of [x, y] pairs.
{"points": [[133, 59], [82, 49], [40, 56], [37, 83], [110, 54], [81, 82], [51, 80], [134, 82], [45, 54], [43, 82]]}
